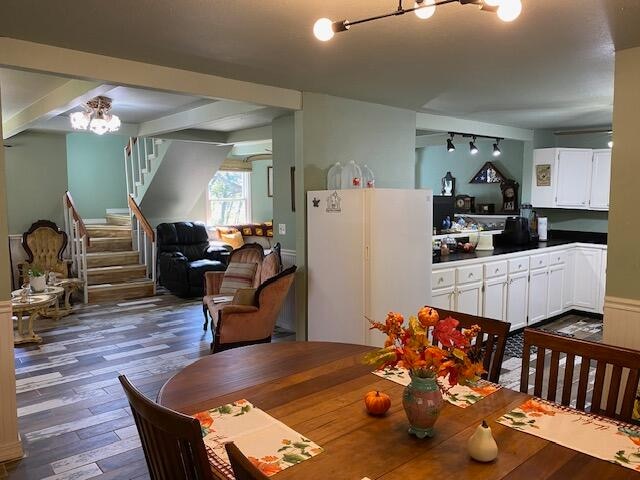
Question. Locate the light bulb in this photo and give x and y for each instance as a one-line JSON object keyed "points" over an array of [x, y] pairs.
{"points": [[496, 150], [99, 126], [323, 29], [509, 10], [114, 123], [472, 148], [79, 120], [610, 143], [427, 10]]}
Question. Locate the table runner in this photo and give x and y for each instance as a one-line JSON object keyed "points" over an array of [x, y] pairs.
{"points": [[459, 395], [596, 436], [268, 443]]}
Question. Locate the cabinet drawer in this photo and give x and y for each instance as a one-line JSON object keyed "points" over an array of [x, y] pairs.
{"points": [[518, 265], [442, 278], [538, 261], [495, 269], [469, 274], [557, 258]]}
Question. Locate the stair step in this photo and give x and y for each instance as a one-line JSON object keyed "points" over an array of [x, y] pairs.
{"points": [[110, 231], [122, 219], [120, 291], [110, 244], [115, 274], [108, 259]]}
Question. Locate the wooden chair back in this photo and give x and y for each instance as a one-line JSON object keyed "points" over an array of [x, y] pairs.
{"points": [[492, 336], [172, 442], [615, 381], [243, 469], [44, 243]]}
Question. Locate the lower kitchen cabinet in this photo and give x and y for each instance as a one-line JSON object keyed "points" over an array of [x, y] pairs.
{"points": [[568, 287], [494, 298], [517, 299], [555, 297], [538, 295], [468, 298], [587, 277], [443, 298]]}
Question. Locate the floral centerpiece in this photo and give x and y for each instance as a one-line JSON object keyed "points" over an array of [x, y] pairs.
{"points": [[429, 348]]}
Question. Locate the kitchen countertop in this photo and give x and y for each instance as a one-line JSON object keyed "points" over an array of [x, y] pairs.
{"points": [[559, 240]]}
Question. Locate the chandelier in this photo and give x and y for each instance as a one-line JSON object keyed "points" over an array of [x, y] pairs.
{"points": [[507, 10], [96, 117]]}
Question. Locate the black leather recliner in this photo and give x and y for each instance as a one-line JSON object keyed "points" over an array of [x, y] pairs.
{"points": [[184, 255]]}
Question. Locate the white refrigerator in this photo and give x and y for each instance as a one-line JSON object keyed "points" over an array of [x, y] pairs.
{"points": [[368, 252]]}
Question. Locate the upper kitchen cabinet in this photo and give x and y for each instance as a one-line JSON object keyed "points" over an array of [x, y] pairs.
{"points": [[571, 178]]}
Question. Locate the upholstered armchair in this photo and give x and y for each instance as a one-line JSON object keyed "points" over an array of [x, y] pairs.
{"points": [[44, 244], [241, 325]]}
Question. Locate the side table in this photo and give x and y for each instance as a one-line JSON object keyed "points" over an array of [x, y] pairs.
{"points": [[33, 307], [69, 285]]}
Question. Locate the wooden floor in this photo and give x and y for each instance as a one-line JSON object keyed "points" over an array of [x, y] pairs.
{"points": [[74, 419]]}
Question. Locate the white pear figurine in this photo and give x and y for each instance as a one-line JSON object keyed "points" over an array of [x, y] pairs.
{"points": [[481, 445]]}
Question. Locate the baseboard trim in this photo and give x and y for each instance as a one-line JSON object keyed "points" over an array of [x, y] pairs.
{"points": [[627, 304], [11, 451]]}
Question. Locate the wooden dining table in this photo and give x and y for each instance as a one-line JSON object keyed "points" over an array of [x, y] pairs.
{"points": [[317, 388]]}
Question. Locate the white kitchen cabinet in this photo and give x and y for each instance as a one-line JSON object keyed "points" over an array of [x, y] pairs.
{"points": [[587, 278], [443, 298], [538, 295], [600, 180], [568, 288], [468, 298], [573, 184], [494, 298], [517, 299], [555, 297], [544, 177], [603, 281]]}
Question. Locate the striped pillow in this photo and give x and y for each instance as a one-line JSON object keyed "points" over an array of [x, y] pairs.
{"points": [[238, 275]]}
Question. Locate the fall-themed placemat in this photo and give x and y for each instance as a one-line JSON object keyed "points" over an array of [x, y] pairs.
{"points": [[596, 436], [268, 443], [459, 395]]}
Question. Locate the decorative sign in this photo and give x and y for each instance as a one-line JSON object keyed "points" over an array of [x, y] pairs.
{"points": [[543, 175], [333, 203]]}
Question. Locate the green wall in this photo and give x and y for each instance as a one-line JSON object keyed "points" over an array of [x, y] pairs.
{"points": [[433, 162], [36, 179], [261, 203], [5, 266], [283, 159], [95, 168]]}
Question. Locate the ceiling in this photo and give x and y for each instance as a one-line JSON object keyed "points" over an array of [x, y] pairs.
{"points": [[21, 89], [553, 67]]}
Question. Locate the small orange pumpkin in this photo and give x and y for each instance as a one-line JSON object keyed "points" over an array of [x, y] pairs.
{"points": [[428, 317], [377, 403]]}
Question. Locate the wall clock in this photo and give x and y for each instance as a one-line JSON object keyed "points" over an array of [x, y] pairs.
{"points": [[465, 203], [509, 195]]}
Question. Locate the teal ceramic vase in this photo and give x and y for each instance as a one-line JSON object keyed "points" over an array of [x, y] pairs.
{"points": [[422, 402]]}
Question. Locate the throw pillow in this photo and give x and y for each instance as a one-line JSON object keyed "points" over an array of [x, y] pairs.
{"points": [[245, 296], [238, 275], [234, 239]]}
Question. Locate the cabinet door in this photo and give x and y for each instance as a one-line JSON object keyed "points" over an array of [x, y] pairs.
{"points": [[517, 297], [600, 180], [544, 177], [442, 298], [494, 298], [469, 299], [574, 178], [569, 281], [587, 278], [555, 297], [538, 294], [603, 281]]}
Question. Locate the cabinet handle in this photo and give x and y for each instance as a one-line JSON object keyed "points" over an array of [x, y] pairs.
{"points": [[440, 280], [519, 265], [497, 270], [471, 275]]}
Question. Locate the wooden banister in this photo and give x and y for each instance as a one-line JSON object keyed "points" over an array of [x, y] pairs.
{"points": [[68, 199], [128, 146], [146, 226]]}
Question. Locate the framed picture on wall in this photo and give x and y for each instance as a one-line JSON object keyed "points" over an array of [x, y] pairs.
{"points": [[269, 181]]}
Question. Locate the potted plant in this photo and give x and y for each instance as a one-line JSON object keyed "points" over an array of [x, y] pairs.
{"points": [[37, 279], [448, 355]]}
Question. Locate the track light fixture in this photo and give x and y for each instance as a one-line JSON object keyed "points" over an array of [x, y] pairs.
{"points": [[450, 146], [472, 147], [507, 10], [496, 148]]}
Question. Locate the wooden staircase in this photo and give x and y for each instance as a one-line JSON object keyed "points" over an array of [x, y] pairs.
{"points": [[114, 270]]}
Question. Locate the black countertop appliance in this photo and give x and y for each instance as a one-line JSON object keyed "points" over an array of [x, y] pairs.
{"points": [[516, 231]]}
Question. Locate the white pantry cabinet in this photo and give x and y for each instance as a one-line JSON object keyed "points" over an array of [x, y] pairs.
{"points": [[600, 180]]}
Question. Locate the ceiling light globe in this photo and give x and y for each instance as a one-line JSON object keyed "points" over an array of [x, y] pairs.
{"points": [[79, 120], [114, 123], [323, 29], [425, 9], [509, 10], [99, 126]]}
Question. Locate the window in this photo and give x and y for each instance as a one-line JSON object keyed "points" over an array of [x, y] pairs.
{"points": [[228, 201]]}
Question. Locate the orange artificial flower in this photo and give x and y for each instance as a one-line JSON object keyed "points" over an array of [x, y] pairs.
{"points": [[635, 440], [267, 468], [485, 390], [269, 458], [428, 317], [286, 442], [536, 408], [204, 418]]}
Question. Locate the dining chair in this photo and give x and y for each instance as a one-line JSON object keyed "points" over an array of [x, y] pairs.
{"points": [[172, 442], [243, 469], [611, 373], [492, 337]]}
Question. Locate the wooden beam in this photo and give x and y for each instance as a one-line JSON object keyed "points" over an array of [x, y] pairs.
{"points": [[59, 100], [441, 123], [62, 61], [196, 135], [258, 134]]}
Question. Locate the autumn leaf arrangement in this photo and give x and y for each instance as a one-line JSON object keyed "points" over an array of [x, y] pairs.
{"points": [[446, 353]]}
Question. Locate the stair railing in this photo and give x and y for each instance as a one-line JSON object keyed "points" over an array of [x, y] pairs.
{"points": [[138, 153], [144, 239], [79, 241]]}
